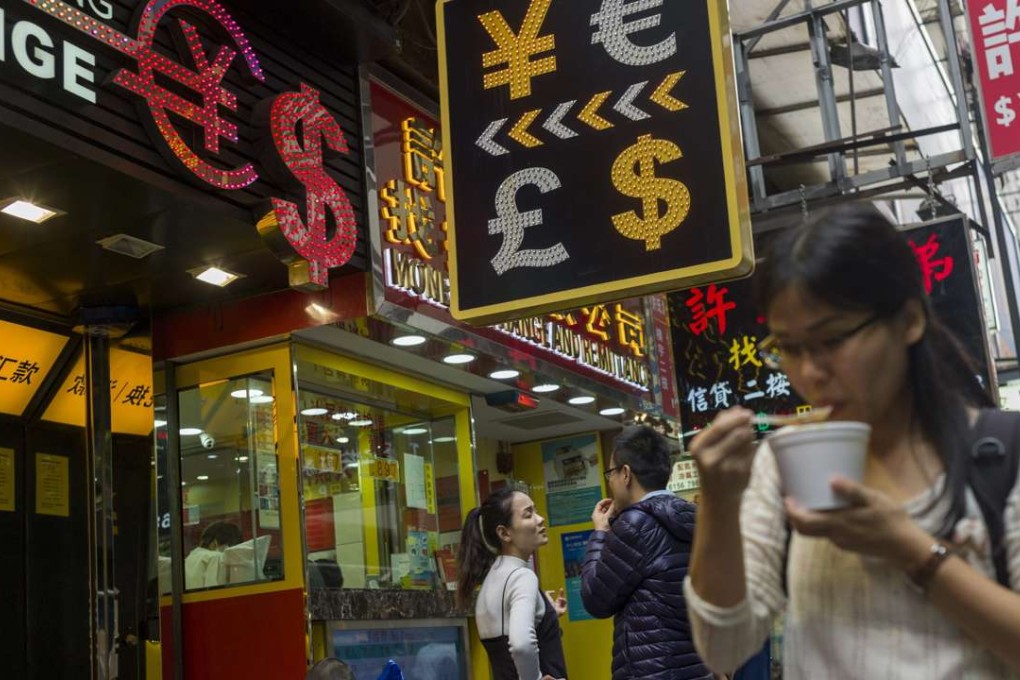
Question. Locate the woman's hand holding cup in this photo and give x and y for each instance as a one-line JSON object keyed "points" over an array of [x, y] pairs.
{"points": [[724, 453]]}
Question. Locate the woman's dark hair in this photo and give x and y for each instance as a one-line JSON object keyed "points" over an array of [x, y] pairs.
{"points": [[479, 542], [220, 532], [330, 669], [851, 257]]}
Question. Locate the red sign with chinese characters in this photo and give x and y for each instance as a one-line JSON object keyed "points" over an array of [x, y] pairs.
{"points": [[995, 30], [608, 341]]}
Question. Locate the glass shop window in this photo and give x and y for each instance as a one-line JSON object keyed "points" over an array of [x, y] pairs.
{"points": [[382, 504], [230, 491]]}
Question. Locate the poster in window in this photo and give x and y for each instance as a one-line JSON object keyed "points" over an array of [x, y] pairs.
{"points": [[573, 482], [7, 494], [51, 485]]}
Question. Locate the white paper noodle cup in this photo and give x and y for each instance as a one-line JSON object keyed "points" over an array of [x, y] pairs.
{"points": [[810, 456]]}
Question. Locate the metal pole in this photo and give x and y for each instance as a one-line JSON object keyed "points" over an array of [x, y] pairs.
{"points": [[956, 75], [826, 93], [748, 121], [100, 495], [173, 478], [891, 104]]}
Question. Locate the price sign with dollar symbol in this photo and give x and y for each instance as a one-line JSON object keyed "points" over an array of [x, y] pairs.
{"points": [[591, 152], [997, 74]]}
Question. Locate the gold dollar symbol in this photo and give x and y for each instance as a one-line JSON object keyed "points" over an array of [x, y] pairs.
{"points": [[634, 175]]}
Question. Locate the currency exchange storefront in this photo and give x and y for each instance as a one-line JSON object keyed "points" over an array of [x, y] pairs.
{"points": [[155, 155], [404, 419]]}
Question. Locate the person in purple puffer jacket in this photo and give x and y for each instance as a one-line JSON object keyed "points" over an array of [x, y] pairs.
{"points": [[636, 562]]}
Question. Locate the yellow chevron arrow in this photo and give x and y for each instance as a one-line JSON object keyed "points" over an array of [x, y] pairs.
{"points": [[519, 132], [662, 95], [588, 114]]}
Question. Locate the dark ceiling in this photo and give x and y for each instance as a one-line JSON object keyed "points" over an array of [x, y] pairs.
{"points": [[57, 266]]}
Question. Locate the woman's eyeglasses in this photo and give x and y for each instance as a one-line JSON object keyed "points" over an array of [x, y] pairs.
{"points": [[775, 353]]}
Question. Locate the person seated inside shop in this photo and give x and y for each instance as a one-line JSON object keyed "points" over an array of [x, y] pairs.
{"points": [[204, 566]]}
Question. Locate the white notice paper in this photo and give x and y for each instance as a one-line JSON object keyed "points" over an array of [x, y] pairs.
{"points": [[414, 480]]}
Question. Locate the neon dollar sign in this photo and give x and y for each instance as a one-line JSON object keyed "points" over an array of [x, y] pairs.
{"points": [[614, 33], [634, 175], [312, 252]]}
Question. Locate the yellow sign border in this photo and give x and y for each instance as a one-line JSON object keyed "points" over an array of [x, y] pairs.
{"points": [[739, 264]]}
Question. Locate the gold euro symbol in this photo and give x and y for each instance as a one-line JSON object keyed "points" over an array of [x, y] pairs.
{"points": [[634, 175]]}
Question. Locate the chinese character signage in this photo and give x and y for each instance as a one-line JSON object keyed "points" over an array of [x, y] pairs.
{"points": [[26, 357], [946, 257], [716, 330], [592, 152], [715, 335], [995, 30], [131, 406], [609, 341]]}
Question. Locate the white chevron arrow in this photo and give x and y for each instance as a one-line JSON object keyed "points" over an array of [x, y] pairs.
{"points": [[626, 103], [554, 123], [486, 141]]}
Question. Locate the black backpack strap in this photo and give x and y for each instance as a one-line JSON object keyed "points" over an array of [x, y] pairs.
{"points": [[994, 464]]}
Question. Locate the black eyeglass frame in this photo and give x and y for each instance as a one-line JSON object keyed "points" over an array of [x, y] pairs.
{"points": [[772, 356]]}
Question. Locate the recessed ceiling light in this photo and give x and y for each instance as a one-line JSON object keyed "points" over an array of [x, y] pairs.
{"points": [[443, 440], [212, 456], [345, 415], [612, 411], [361, 422], [545, 388], [29, 211], [504, 374], [408, 340], [190, 431], [457, 359], [160, 423], [264, 399], [184, 483], [214, 276], [246, 394], [580, 401], [411, 431], [343, 440], [202, 478], [242, 459], [316, 411]]}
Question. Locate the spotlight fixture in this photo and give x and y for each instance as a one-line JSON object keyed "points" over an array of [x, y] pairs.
{"points": [[242, 459], [28, 211], [580, 401], [504, 374], [343, 440], [190, 431], [344, 415], [246, 394], [444, 440], [612, 411], [316, 411], [458, 359], [545, 388], [264, 399], [212, 456], [408, 340], [202, 478], [214, 276], [361, 422], [411, 431], [160, 423]]}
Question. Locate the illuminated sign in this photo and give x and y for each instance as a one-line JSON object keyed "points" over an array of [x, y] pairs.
{"points": [[130, 394], [383, 469], [716, 329], [192, 92], [592, 152], [26, 356], [605, 339]]}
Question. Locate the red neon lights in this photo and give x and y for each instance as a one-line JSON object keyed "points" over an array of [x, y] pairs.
{"points": [[311, 241]]}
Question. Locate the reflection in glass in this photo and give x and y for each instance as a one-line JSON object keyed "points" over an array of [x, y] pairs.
{"points": [[373, 517], [230, 494]]}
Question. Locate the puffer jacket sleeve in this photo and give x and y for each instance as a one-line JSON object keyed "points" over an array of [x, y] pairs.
{"points": [[614, 566]]}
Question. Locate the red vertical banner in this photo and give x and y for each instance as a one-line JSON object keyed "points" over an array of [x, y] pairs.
{"points": [[663, 368], [995, 28]]}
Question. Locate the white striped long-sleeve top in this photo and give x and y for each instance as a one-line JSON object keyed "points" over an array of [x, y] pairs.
{"points": [[848, 616]]}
